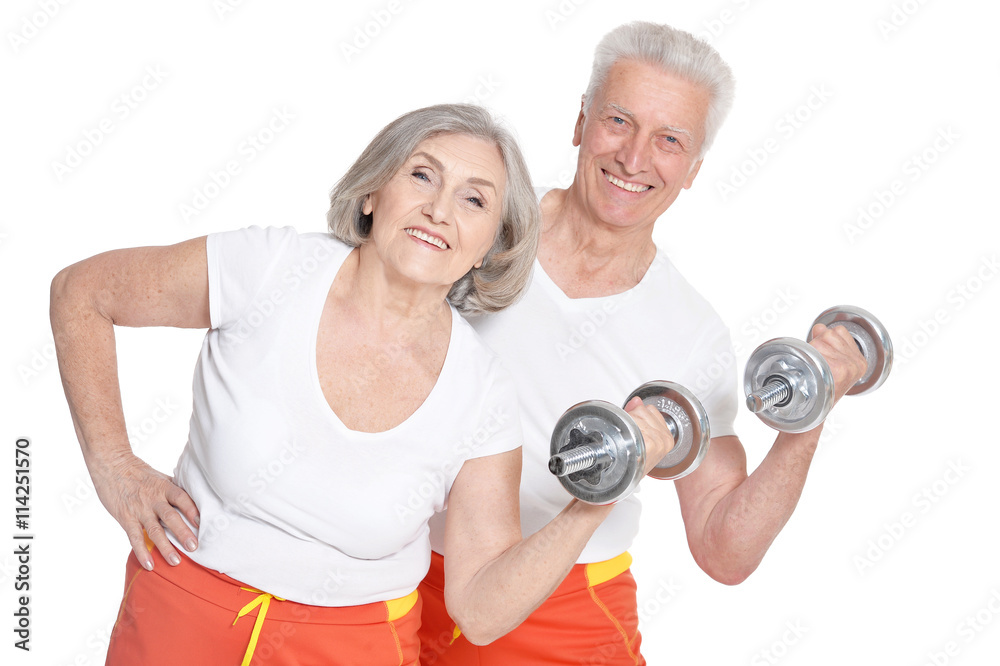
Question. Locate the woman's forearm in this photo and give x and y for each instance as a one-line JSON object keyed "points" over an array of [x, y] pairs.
{"points": [[510, 587], [85, 350]]}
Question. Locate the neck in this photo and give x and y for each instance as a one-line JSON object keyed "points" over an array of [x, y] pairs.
{"points": [[586, 256], [387, 299]]}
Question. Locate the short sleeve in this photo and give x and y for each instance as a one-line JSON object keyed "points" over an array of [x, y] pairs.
{"points": [[240, 263], [499, 428], [719, 397]]}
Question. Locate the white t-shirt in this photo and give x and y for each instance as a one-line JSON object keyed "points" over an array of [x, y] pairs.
{"points": [[562, 351], [292, 502]]}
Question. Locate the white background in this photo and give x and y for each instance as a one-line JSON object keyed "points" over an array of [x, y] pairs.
{"points": [[869, 85]]}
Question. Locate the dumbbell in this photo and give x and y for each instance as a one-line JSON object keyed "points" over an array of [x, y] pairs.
{"points": [[789, 384], [598, 452]]}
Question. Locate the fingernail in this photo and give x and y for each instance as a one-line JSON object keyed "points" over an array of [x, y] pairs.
{"points": [[174, 559], [147, 565], [197, 521], [190, 544]]}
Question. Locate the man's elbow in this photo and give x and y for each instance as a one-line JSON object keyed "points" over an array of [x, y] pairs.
{"points": [[725, 570]]}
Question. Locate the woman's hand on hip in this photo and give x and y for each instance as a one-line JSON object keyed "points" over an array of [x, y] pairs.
{"points": [[143, 499]]}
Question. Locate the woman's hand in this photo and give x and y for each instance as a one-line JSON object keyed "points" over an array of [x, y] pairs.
{"points": [[142, 500], [655, 433]]}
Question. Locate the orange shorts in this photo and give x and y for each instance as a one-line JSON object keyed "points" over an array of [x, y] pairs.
{"points": [[591, 618], [195, 616]]}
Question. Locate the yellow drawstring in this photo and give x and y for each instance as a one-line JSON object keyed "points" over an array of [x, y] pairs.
{"points": [[263, 600]]}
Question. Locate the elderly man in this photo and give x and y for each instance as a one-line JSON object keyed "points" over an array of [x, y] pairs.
{"points": [[655, 101]]}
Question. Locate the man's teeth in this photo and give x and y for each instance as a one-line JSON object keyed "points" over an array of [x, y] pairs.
{"points": [[416, 233], [631, 187]]}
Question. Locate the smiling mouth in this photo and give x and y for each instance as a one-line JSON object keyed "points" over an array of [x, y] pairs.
{"points": [[625, 185], [427, 238]]}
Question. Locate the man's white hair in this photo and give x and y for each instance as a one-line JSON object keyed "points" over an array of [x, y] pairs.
{"points": [[676, 52]]}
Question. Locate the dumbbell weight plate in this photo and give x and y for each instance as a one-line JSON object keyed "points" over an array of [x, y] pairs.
{"points": [[808, 374], [691, 420], [872, 339], [620, 478]]}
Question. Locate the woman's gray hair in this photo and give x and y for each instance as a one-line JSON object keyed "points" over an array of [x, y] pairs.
{"points": [[675, 51], [503, 276]]}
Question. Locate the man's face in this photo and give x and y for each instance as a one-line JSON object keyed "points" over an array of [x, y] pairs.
{"points": [[639, 143]]}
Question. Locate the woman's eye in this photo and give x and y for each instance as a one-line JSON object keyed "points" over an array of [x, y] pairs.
{"points": [[420, 175], [476, 201]]}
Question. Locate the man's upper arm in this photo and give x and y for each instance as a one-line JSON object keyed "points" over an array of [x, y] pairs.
{"points": [[145, 286]]}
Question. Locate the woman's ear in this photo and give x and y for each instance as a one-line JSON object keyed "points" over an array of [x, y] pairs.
{"points": [[366, 207]]}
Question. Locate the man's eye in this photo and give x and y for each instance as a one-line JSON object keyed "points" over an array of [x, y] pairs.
{"points": [[618, 121]]}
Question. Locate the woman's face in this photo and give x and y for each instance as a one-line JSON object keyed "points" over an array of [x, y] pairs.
{"points": [[439, 214]]}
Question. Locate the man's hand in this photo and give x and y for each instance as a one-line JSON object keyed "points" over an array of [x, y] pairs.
{"points": [[841, 352]]}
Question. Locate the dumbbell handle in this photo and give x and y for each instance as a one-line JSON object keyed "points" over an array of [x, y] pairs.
{"points": [[594, 452]]}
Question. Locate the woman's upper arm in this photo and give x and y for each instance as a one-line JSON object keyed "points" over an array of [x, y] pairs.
{"points": [[144, 286], [484, 517]]}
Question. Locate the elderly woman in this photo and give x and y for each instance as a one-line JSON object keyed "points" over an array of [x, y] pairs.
{"points": [[339, 401]]}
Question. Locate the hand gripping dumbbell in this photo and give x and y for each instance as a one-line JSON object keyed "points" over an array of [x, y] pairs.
{"points": [[598, 452], [789, 384]]}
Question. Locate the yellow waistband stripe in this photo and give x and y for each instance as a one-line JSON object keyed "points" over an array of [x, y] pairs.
{"points": [[397, 608], [602, 572]]}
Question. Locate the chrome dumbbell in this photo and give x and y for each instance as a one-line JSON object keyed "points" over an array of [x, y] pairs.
{"points": [[789, 384], [597, 449]]}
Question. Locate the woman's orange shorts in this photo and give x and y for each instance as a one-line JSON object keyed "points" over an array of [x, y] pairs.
{"points": [[192, 615], [591, 618]]}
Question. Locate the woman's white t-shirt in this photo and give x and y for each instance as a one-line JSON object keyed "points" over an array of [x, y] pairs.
{"points": [[291, 501]]}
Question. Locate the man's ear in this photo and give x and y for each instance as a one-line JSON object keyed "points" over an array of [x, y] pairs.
{"points": [[578, 130], [691, 174]]}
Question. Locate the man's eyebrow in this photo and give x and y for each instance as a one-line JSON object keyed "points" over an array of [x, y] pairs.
{"points": [[631, 116], [436, 163]]}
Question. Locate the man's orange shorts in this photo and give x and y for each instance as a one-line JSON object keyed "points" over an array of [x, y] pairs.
{"points": [[591, 618], [195, 616]]}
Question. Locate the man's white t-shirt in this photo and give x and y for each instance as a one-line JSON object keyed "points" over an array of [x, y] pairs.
{"points": [[563, 350], [292, 502]]}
